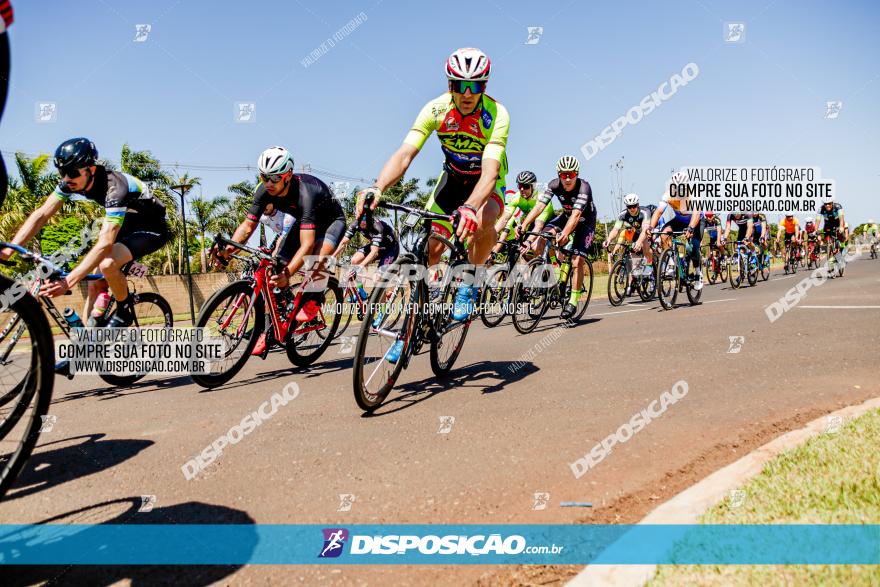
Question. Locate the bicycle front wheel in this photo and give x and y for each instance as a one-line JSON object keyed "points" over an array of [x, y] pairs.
{"points": [[585, 292], [234, 316], [667, 279], [618, 283], [391, 316], [496, 295], [530, 297], [150, 311], [26, 380], [449, 336]]}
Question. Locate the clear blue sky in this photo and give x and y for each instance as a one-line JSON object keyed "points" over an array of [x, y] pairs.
{"points": [[760, 102]]}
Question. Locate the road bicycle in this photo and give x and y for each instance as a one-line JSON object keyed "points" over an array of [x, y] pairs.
{"points": [[673, 275], [496, 300], [235, 315], [542, 287], [627, 278], [831, 255], [743, 265], [150, 310], [405, 312], [26, 379], [812, 256]]}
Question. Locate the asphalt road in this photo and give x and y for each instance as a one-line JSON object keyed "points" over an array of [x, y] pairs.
{"points": [[514, 433]]}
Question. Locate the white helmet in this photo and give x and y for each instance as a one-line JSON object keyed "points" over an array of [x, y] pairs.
{"points": [[468, 64], [568, 163], [827, 200], [275, 161], [631, 200], [870, 221], [678, 177]]}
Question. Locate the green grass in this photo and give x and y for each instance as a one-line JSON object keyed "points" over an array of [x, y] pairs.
{"points": [[832, 479]]}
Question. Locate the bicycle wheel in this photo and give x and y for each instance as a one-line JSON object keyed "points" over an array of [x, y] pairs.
{"points": [[530, 298], [667, 279], [648, 287], [449, 336], [349, 308], [765, 267], [311, 339], [26, 381], [234, 315], [693, 294], [150, 311], [496, 294], [586, 290], [618, 283], [736, 270], [392, 315], [712, 270]]}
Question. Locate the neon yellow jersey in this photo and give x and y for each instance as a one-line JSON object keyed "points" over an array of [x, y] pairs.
{"points": [[465, 139]]}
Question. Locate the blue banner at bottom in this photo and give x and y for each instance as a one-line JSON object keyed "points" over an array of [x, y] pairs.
{"points": [[201, 544]]}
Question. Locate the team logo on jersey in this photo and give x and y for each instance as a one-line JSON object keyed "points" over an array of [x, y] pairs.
{"points": [[450, 123], [475, 128], [487, 119]]}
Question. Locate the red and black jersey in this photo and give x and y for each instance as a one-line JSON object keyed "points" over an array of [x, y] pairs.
{"points": [[6, 13]]}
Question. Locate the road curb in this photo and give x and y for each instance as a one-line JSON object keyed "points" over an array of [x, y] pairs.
{"points": [[690, 504]]}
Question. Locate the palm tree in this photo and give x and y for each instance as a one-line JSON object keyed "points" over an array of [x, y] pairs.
{"points": [[206, 216], [28, 192], [241, 198]]}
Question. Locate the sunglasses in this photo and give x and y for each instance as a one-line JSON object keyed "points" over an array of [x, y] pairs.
{"points": [[568, 174], [633, 206], [272, 178], [70, 172], [459, 86], [524, 186]]}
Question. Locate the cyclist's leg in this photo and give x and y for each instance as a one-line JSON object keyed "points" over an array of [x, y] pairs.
{"points": [[131, 244]]}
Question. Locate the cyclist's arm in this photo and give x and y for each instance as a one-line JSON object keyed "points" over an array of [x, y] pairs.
{"points": [[750, 228], [99, 252], [570, 225], [655, 217], [505, 217], [396, 166], [307, 242], [346, 238], [614, 230], [535, 212], [37, 220], [371, 256], [244, 231]]}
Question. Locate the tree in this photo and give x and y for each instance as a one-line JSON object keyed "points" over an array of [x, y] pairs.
{"points": [[206, 216]]}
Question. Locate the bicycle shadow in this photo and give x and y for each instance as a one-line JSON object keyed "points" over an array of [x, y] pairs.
{"points": [[503, 373], [107, 513], [47, 469], [547, 325], [318, 368], [114, 392]]}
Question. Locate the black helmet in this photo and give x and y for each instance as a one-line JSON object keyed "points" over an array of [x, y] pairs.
{"points": [[76, 154], [526, 177]]}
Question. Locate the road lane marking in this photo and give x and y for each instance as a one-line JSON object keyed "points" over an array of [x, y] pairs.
{"points": [[842, 307], [620, 312]]}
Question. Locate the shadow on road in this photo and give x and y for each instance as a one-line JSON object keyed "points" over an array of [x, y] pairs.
{"points": [[114, 392], [500, 373], [124, 511], [46, 469]]}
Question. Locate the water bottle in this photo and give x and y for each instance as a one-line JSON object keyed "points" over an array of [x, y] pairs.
{"points": [[72, 319], [100, 307]]}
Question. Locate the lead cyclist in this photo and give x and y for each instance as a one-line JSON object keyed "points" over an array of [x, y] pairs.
{"points": [[472, 128]]}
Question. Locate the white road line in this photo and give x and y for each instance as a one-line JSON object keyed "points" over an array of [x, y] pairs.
{"points": [[724, 300], [783, 278], [842, 307], [620, 312]]}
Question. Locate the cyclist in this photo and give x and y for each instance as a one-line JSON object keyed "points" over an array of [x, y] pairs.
{"points": [[576, 220], [279, 223], [745, 226], [634, 220], [383, 246], [472, 128], [711, 224], [789, 231], [319, 223], [762, 235], [134, 224], [521, 201], [831, 218], [670, 216], [810, 236], [871, 231]]}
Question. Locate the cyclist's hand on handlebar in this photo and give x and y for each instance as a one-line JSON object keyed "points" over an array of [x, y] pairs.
{"points": [[55, 288], [280, 279], [561, 239], [371, 195], [467, 222]]}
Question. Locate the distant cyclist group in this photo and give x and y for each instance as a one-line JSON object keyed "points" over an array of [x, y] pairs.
{"points": [[470, 221]]}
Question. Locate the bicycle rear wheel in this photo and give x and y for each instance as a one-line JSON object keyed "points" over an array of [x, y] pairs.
{"points": [[26, 381], [735, 270], [391, 315], [449, 336], [496, 295], [586, 290], [150, 311], [234, 316], [668, 279], [311, 339]]}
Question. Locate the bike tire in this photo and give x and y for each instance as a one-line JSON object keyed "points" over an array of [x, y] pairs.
{"points": [[618, 282], [530, 295], [443, 326], [34, 389], [230, 292], [168, 317], [366, 400], [497, 275], [295, 352], [664, 281]]}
